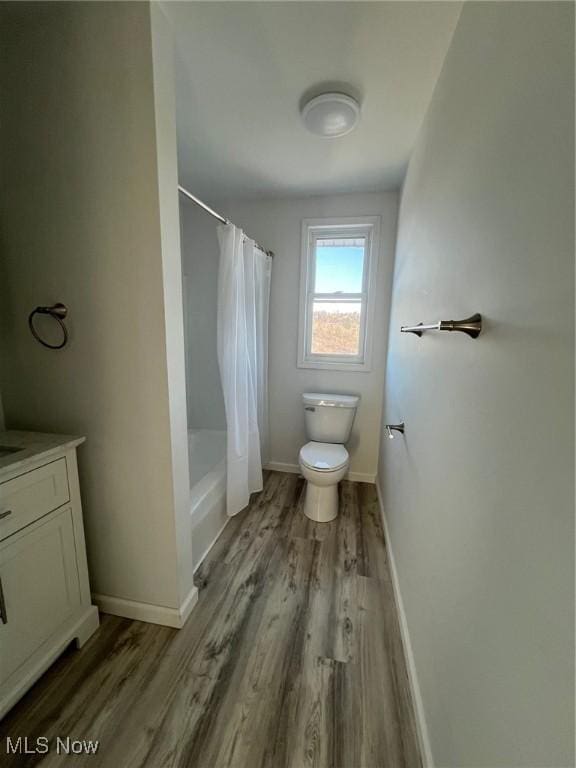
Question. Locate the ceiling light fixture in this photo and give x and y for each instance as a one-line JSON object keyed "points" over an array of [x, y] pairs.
{"points": [[331, 115]]}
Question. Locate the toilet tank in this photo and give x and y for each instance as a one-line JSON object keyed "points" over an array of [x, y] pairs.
{"points": [[329, 418]]}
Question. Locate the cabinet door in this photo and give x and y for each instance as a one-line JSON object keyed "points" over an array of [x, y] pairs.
{"points": [[40, 587]]}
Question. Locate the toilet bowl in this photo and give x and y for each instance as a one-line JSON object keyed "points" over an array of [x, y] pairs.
{"points": [[323, 465], [324, 460]]}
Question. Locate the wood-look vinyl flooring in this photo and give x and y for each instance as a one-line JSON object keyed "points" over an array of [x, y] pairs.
{"points": [[291, 659]]}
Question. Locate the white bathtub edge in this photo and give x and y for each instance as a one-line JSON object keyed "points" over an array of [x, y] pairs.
{"points": [[209, 547]]}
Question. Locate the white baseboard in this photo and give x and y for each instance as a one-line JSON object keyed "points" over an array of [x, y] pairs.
{"points": [[280, 466], [153, 614], [187, 606], [361, 477], [421, 724], [354, 477]]}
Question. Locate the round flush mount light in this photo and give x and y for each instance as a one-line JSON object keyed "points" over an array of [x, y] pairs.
{"points": [[331, 115]]}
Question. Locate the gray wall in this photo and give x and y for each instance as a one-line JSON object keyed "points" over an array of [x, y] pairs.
{"points": [[276, 224], [200, 259], [82, 224], [479, 496]]}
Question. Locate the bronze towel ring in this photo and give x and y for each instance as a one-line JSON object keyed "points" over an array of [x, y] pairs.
{"points": [[58, 312]]}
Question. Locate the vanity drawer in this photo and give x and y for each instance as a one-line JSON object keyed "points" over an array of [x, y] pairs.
{"points": [[29, 496]]}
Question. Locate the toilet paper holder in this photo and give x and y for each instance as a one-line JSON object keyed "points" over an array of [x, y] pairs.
{"points": [[398, 427]]}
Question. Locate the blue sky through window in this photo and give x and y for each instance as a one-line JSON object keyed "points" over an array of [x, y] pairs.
{"points": [[339, 268]]}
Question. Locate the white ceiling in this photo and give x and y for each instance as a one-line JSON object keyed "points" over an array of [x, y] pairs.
{"points": [[242, 69]]}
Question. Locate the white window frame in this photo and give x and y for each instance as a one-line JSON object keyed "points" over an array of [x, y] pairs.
{"points": [[313, 230]]}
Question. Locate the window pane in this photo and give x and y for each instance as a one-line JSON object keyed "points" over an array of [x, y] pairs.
{"points": [[336, 328], [339, 265]]}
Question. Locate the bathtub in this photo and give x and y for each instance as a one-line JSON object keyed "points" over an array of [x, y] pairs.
{"points": [[207, 462]]}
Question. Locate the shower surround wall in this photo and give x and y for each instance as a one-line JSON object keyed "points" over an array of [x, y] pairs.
{"points": [[206, 415], [479, 494], [200, 257]]}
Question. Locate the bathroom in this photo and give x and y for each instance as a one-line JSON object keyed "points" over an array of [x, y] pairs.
{"points": [[387, 577]]}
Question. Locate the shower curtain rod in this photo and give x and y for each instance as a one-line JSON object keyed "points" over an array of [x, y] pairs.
{"points": [[215, 214]]}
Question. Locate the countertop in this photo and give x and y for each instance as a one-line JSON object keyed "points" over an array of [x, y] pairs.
{"points": [[31, 447]]}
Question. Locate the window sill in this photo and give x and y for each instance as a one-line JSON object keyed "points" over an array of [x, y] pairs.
{"points": [[322, 365]]}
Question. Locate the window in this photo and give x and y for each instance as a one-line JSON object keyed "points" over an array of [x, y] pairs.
{"points": [[339, 259]]}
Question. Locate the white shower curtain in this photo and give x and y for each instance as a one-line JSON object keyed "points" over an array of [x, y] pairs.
{"points": [[243, 301]]}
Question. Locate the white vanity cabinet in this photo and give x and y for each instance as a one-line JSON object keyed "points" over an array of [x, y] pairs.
{"points": [[44, 589]]}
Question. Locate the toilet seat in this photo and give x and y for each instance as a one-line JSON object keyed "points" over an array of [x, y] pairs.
{"points": [[323, 457]]}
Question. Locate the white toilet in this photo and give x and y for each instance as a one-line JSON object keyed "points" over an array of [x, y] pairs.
{"points": [[324, 460]]}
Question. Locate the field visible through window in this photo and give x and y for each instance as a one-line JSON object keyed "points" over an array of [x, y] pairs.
{"points": [[335, 332]]}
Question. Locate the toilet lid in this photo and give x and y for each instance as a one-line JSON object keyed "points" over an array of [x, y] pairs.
{"points": [[324, 457]]}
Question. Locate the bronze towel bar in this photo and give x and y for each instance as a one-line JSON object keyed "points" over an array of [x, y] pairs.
{"points": [[472, 326]]}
